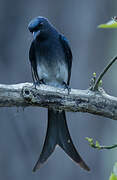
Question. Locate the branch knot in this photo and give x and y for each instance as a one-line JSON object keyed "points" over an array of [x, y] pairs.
{"points": [[27, 93]]}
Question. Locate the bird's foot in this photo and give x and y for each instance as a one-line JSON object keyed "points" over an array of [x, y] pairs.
{"points": [[37, 83], [66, 86]]}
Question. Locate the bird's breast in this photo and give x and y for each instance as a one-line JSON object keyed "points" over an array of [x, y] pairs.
{"points": [[51, 63], [53, 71]]}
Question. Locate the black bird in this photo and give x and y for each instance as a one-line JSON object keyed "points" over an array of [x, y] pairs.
{"points": [[51, 61]]}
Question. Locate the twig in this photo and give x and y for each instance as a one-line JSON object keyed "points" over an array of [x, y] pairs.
{"points": [[95, 88], [98, 146]]}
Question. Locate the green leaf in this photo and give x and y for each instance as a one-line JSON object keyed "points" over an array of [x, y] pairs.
{"points": [[115, 169], [94, 74], [113, 177], [90, 140], [97, 145], [110, 24], [100, 83]]}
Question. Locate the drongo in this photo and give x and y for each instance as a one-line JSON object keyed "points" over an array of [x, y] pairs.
{"points": [[51, 61]]}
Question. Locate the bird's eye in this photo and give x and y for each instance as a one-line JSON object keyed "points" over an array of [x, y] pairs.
{"points": [[40, 24]]}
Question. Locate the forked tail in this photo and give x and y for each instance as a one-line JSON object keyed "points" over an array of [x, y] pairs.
{"points": [[58, 133]]}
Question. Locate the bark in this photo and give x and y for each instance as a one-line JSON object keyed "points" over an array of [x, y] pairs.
{"points": [[25, 94]]}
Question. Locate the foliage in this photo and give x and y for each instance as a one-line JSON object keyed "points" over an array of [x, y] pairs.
{"points": [[110, 24], [113, 175]]}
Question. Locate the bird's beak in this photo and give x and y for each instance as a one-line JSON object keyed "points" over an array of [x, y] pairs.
{"points": [[36, 34]]}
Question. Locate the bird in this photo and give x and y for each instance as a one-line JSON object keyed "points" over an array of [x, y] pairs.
{"points": [[50, 57]]}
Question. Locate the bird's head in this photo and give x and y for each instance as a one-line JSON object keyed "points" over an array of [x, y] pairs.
{"points": [[39, 25]]}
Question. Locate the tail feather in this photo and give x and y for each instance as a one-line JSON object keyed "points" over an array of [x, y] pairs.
{"points": [[58, 133], [65, 142], [50, 141]]}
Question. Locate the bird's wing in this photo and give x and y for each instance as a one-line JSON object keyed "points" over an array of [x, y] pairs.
{"points": [[32, 59], [68, 54]]}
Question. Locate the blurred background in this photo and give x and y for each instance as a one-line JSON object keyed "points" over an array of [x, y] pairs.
{"points": [[22, 132]]}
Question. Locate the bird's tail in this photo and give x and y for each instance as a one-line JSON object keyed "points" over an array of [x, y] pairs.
{"points": [[58, 134]]}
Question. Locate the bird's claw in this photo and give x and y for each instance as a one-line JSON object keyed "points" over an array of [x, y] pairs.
{"points": [[66, 86], [37, 83]]}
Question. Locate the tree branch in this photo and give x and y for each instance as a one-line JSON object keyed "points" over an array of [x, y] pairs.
{"points": [[98, 103]]}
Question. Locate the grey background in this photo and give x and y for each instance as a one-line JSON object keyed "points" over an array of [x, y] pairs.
{"points": [[22, 132]]}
